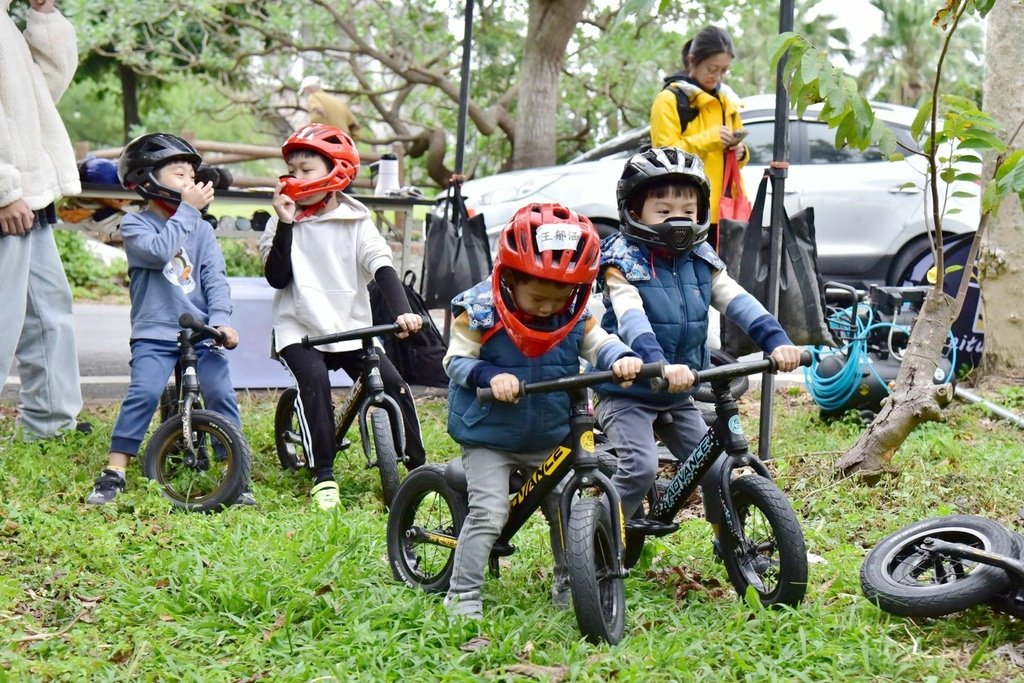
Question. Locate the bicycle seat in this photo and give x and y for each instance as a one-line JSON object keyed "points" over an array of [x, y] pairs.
{"points": [[455, 475]]}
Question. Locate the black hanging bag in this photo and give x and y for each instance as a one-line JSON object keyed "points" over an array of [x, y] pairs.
{"points": [[746, 250], [458, 253], [417, 357]]}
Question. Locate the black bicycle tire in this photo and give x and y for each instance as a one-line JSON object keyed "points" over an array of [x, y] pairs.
{"points": [[939, 599], [284, 417], [598, 593], [386, 455], [634, 547], [239, 456], [168, 402], [422, 481], [756, 491]]}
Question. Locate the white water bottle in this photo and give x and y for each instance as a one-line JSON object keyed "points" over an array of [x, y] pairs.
{"points": [[387, 175]]}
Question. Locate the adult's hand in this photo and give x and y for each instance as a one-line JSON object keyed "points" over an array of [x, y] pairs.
{"points": [[16, 218], [44, 6], [728, 139]]}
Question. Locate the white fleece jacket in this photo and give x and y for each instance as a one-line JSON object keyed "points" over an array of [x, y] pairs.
{"points": [[37, 162], [334, 258]]}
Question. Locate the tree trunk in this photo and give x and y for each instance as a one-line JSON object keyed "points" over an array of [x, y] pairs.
{"points": [[129, 99], [1001, 260], [915, 398], [551, 25]]}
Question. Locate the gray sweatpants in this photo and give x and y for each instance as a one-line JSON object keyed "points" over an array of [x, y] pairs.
{"points": [[630, 427], [38, 329], [487, 473]]}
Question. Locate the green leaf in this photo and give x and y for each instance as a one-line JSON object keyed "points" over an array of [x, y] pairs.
{"points": [[753, 600], [984, 6], [779, 44], [924, 114], [991, 198], [960, 194], [953, 269]]}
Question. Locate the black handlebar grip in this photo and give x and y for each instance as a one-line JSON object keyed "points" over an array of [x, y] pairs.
{"points": [[186, 320], [806, 357], [486, 394], [659, 384]]}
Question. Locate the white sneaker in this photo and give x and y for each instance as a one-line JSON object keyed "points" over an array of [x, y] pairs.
{"points": [[468, 605]]}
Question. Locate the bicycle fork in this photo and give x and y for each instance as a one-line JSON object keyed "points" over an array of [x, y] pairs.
{"points": [[374, 396]]}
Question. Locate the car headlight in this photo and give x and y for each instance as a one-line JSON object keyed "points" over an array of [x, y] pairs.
{"points": [[517, 192]]}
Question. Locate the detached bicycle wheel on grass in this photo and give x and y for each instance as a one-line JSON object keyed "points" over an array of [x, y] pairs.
{"points": [[773, 558], [598, 594], [903, 578], [386, 455], [218, 472], [427, 507], [288, 432]]}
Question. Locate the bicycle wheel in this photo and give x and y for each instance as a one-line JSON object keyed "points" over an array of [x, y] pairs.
{"points": [[773, 558], [598, 594], [168, 402], [288, 432], [221, 466], [634, 548], [386, 455], [904, 579], [427, 503]]}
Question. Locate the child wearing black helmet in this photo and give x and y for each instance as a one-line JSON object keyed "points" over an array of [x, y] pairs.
{"points": [[175, 267], [659, 277]]}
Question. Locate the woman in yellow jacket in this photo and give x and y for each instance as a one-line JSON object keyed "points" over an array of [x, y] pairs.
{"points": [[713, 106]]}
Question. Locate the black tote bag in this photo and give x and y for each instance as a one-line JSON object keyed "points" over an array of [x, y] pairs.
{"points": [[458, 253], [746, 250]]}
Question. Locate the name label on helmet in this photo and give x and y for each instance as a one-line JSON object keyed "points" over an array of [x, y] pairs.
{"points": [[555, 236]]}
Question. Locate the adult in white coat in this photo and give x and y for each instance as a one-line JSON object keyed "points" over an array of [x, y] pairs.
{"points": [[37, 167]]}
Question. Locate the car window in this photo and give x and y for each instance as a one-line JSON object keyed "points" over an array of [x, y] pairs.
{"points": [[760, 141], [821, 148]]}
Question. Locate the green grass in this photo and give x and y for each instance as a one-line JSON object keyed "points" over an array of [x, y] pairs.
{"points": [[286, 593]]}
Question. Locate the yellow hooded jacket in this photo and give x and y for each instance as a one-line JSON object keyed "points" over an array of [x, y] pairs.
{"points": [[701, 135]]}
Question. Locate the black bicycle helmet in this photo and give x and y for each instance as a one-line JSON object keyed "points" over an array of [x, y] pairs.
{"points": [[137, 166], [660, 164]]}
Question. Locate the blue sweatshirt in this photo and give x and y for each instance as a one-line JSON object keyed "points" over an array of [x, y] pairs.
{"points": [[175, 266]]}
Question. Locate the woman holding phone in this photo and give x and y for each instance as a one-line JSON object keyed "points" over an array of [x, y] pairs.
{"points": [[698, 113]]}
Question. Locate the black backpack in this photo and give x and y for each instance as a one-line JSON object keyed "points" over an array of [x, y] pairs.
{"points": [[686, 112], [417, 357]]}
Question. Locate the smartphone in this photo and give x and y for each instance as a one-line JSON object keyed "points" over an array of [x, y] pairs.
{"points": [[738, 135]]}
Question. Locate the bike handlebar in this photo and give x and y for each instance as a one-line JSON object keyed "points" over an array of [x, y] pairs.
{"points": [[201, 330], [753, 367], [652, 371], [361, 333]]}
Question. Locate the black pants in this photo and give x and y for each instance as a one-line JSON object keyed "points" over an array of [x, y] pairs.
{"points": [[309, 367]]}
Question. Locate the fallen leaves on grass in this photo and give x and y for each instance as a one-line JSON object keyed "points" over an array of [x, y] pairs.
{"points": [[683, 581], [474, 644]]}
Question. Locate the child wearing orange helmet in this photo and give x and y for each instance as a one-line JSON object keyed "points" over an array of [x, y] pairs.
{"points": [[320, 252], [527, 322]]}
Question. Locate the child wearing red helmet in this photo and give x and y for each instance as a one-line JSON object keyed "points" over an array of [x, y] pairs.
{"points": [[527, 322], [320, 252]]}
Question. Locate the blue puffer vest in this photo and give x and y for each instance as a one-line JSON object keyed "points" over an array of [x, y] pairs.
{"points": [[676, 293], [537, 421]]}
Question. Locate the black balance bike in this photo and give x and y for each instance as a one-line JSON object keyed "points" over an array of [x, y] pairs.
{"points": [[198, 457], [759, 537], [944, 565], [431, 506], [366, 398]]}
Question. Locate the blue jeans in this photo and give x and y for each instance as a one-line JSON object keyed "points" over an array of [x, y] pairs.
{"points": [[38, 329], [152, 363]]}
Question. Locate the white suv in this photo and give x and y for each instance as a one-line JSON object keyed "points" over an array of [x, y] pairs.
{"points": [[870, 222]]}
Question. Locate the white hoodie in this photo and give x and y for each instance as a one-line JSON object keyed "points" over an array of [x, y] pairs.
{"points": [[334, 257], [37, 162]]}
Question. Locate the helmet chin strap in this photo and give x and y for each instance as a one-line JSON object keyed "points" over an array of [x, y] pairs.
{"points": [[312, 209]]}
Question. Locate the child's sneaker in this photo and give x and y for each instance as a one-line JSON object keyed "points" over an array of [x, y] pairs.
{"points": [[108, 485], [560, 593], [468, 605], [325, 494], [245, 497]]}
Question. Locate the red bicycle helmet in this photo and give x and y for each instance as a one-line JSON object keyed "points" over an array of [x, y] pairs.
{"points": [[332, 144], [553, 243]]}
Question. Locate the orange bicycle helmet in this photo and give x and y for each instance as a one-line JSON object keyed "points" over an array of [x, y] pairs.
{"points": [[553, 243], [337, 149]]}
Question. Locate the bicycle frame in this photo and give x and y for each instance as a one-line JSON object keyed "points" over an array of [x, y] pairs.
{"points": [[367, 391], [187, 378], [724, 436], [575, 454]]}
